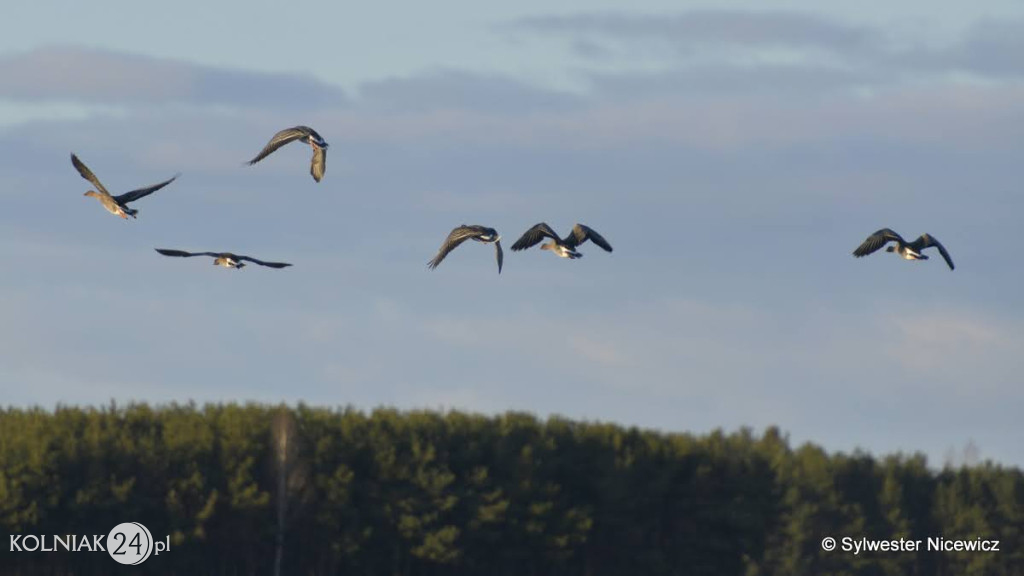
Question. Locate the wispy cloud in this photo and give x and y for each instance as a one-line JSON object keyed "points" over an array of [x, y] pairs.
{"points": [[725, 51], [991, 48], [957, 350], [459, 90], [687, 31], [712, 107], [85, 75]]}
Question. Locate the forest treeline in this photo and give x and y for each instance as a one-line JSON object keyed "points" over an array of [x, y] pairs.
{"points": [[426, 493]]}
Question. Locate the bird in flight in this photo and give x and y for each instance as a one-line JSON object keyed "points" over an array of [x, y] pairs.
{"points": [[306, 135], [907, 250], [116, 205], [225, 259], [563, 247], [463, 233]]}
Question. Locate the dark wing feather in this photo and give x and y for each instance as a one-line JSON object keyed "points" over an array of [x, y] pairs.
{"points": [[581, 233], [456, 237], [136, 194], [88, 175], [534, 235], [313, 134], [262, 263], [926, 241], [182, 253], [280, 139], [319, 163], [499, 254], [876, 241]]}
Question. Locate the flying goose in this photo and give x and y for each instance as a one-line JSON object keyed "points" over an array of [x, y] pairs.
{"points": [[306, 135], [563, 247], [463, 233], [117, 205], [907, 250], [225, 259]]}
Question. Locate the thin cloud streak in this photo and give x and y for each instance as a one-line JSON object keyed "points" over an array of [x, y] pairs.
{"points": [[90, 76], [464, 91], [734, 42], [688, 30]]}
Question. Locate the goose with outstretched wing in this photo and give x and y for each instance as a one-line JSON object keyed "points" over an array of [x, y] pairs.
{"points": [[116, 205], [303, 134], [463, 233], [562, 247], [225, 259], [906, 250]]}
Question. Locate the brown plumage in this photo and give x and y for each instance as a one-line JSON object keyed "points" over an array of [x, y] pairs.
{"points": [[117, 205], [306, 135], [462, 233]]}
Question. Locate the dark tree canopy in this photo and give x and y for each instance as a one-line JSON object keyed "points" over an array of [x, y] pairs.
{"points": [[239, 488]]}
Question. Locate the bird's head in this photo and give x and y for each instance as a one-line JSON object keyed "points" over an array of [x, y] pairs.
{"points": [[890, 248], [547, 246], [92, 193]]}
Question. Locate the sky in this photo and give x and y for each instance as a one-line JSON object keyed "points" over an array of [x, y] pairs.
{"points": [[733, 153]]}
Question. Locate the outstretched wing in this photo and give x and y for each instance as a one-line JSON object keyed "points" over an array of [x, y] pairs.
{"points": [[534, 235], [926, 241], [262, 263], [88, 175], [876, 241], [136, 194], [581, 233], [456, 237], [499, 254], [319, 163], [280, 139], [184, 254]]}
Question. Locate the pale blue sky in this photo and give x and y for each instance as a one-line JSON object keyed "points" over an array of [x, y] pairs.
{"points": [[733, 153]]}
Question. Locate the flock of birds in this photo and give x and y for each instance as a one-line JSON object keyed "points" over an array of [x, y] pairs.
{"points": [[563, 247]]}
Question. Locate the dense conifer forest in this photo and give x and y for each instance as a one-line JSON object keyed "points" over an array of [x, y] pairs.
{"points": [[425, 493]]}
